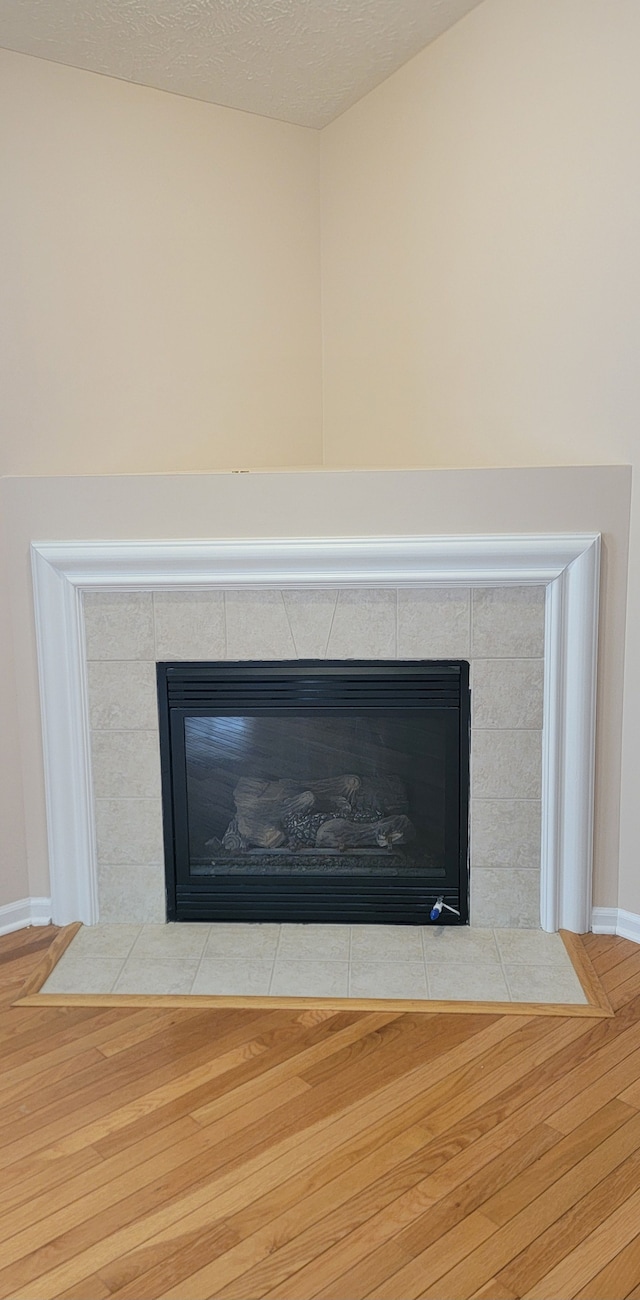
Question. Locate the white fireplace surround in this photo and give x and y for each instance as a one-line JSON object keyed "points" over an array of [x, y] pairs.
{"points": [[567, 564]]}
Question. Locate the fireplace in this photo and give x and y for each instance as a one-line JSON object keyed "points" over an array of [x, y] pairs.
{"points": [[98, 690], [315, 790]]}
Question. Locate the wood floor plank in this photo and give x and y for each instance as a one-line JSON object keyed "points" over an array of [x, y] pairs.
{"points": [[462, 1238], [572, 1228], [165, 1054], [67, 1037], [42, 1196], [358, 1282], [270, 1192], [299, 1153], [590, 940], [25, 937], [154, 1024], [97, 1119], [614, 1084], [406, 1224], [609, 952], [615, 1280], [26, 1024], [316, 1141], [629, 1010], [578, 1268], [508, 1115], [123, 1095], [353, 1263], [97, 1291], [623, 993], [85, 1086], [21, 968], [260, 1174], [58, 1207], [529, 1224], [428, 1269], [37, 1175], [165, 1263], [58, 1211], [520, 1191], [485, 1037], [49, 1079], [495, 1126], [453, 1108], [255, 1263], [624, 970], [494, 1290], [321, 1132], [34, 1043], [336, 1229], [280, 1061]]}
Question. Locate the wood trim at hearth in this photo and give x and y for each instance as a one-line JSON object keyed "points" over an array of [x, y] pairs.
{"points": [[47, 963], [598, 1005], [198, 1000], [592, 986]]}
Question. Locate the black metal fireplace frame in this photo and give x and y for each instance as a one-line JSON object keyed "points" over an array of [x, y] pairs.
{"points": [[188, 689]]}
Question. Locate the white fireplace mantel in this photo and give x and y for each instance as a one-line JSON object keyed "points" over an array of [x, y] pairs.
{"points": [[567, 564]]}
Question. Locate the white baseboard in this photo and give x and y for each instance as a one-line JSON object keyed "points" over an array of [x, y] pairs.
{"points": [[27, 911], [615, 920]]}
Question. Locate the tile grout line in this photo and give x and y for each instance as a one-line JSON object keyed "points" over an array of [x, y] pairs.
{"points": [[120, 973], [122, 731], [534, 731], [275, 957], [296, 654], [121, 659], [204, 949], [333, 617], [424, 962], [423, 932], [500, 959], [140, 929]]}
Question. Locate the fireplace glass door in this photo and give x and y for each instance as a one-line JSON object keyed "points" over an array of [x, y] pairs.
{"points": [[315, 791]]}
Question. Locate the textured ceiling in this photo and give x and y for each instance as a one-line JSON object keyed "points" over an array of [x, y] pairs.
{"points": [[303, 61]]}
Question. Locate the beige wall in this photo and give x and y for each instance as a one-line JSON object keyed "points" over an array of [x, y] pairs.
{"points": [[480, 217], [161, 293], [324, 504], [14, 881]]}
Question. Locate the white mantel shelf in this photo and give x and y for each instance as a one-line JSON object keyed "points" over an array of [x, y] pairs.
{"points": [[567, 564], [316, 562]]}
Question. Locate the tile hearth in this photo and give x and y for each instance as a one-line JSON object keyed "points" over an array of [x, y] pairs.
{"points": [[332, 961]]}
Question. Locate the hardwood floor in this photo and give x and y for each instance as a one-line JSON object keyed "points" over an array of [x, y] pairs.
{"points": [[188, 1153]]}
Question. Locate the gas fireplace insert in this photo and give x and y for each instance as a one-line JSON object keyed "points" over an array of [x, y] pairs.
{"points": [[315, 790]]}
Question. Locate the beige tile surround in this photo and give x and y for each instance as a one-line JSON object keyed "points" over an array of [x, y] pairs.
{"points": [[500, 630]]}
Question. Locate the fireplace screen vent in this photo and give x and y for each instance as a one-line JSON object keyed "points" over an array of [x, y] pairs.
{"points": [[326, 791]]}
